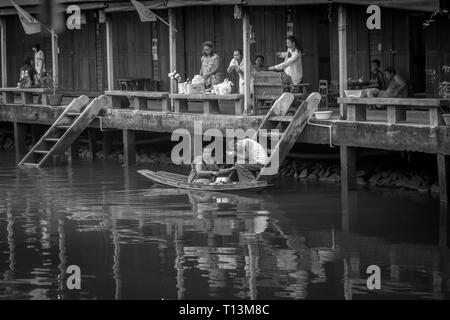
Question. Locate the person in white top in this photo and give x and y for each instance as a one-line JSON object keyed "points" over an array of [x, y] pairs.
{"points": [[237, 65], [292, 64], [251, 157], [39, 61]]}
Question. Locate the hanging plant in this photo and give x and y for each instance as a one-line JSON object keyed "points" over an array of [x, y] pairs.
{"points": [[432, 19]]}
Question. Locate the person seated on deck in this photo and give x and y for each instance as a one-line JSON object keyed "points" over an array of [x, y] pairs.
{"points": [[259, 63], [204, 169], [251, 157], [376, 76], [396, 86], [27, 77]]}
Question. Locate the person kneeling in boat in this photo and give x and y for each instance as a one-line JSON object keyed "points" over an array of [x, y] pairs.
{"points": [[251, 157], [204, 169]]}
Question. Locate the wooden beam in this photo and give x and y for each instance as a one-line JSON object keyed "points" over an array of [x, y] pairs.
{"points": [[247, 60], [342, 35], [348, 167], [443, 176], [107, 143], [19, 140], [172, 49], [4, 63], [129, 148], [55, 59], [73, 154], [92, 142], [109, 53]]}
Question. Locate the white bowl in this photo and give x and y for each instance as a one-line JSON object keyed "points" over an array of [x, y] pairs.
{"points": [[355, 93], [323, 115]]}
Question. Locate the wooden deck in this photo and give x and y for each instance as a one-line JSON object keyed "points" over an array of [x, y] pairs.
{"points": [[413, 134]]}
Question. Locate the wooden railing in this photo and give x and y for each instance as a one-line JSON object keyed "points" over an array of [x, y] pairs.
{"points": [[395, 108], [26, 95]]}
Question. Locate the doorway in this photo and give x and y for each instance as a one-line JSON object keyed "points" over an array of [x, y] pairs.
{"points": [[417, 54]]}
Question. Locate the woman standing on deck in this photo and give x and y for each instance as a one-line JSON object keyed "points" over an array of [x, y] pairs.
{"points": [[39, 61], [210, 70], [292, 65]]}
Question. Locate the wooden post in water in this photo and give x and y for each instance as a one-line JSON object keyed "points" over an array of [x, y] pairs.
{"points": [[107, 143], [247, 60], [443, 165], [19, 140], [129, 147], [74, 151], [342, 37], [3, 52], [348, 167], [92, 141], [109, 53]]}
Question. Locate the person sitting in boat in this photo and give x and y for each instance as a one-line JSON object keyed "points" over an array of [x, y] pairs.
{"points": [[204, 169], [251, 157]]}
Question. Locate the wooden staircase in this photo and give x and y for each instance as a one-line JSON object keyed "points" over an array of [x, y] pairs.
{"points": [[70, 124], [282, 131]]}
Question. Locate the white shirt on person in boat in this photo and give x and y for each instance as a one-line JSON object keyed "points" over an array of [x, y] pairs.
{"points": [[255, 151]]}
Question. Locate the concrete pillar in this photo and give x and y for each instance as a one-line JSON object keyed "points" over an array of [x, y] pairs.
{"points": [[92, 141], [348, 210], [443, 176], [109, 53], [3, 54], [342, 38], [35, 133], [73, 154], [129, 147], [107, 143], [19, 140], [348, 167], [443, 224]]}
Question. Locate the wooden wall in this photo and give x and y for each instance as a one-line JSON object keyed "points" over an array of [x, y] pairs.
{"points": [[132, 44], [217, 24], [362, 44], [78, 57]]}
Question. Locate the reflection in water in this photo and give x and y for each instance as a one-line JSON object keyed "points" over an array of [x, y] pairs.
{"points": [[134, 240]]}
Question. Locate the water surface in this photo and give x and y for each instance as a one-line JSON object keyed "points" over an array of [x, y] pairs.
{"points": [[135, 240]]}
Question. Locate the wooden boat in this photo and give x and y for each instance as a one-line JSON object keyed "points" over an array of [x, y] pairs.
{"points": [[285, 129], [180, 181]]}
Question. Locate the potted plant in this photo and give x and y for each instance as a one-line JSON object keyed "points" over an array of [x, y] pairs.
{"points": [[444, 92], [55, 99], [441, 90]]}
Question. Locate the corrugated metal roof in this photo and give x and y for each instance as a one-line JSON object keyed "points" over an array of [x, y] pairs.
{"points": [[423, 5]]}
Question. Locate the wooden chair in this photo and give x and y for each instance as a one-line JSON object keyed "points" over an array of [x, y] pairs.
{"points": [[333, 93], [323, 90], [268, 88]]}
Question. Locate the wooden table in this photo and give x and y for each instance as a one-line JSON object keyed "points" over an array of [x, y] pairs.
{"points": [[118, 99], [210, 102], [26, 94], [138, 84], [396, 108]]}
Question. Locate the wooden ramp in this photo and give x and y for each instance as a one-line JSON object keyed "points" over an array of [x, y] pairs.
{"points": [[69, 125], [281, 131]]}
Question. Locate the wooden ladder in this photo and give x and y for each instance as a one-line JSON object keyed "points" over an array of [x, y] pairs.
{"points": [[75, 118], [282, 131]]}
